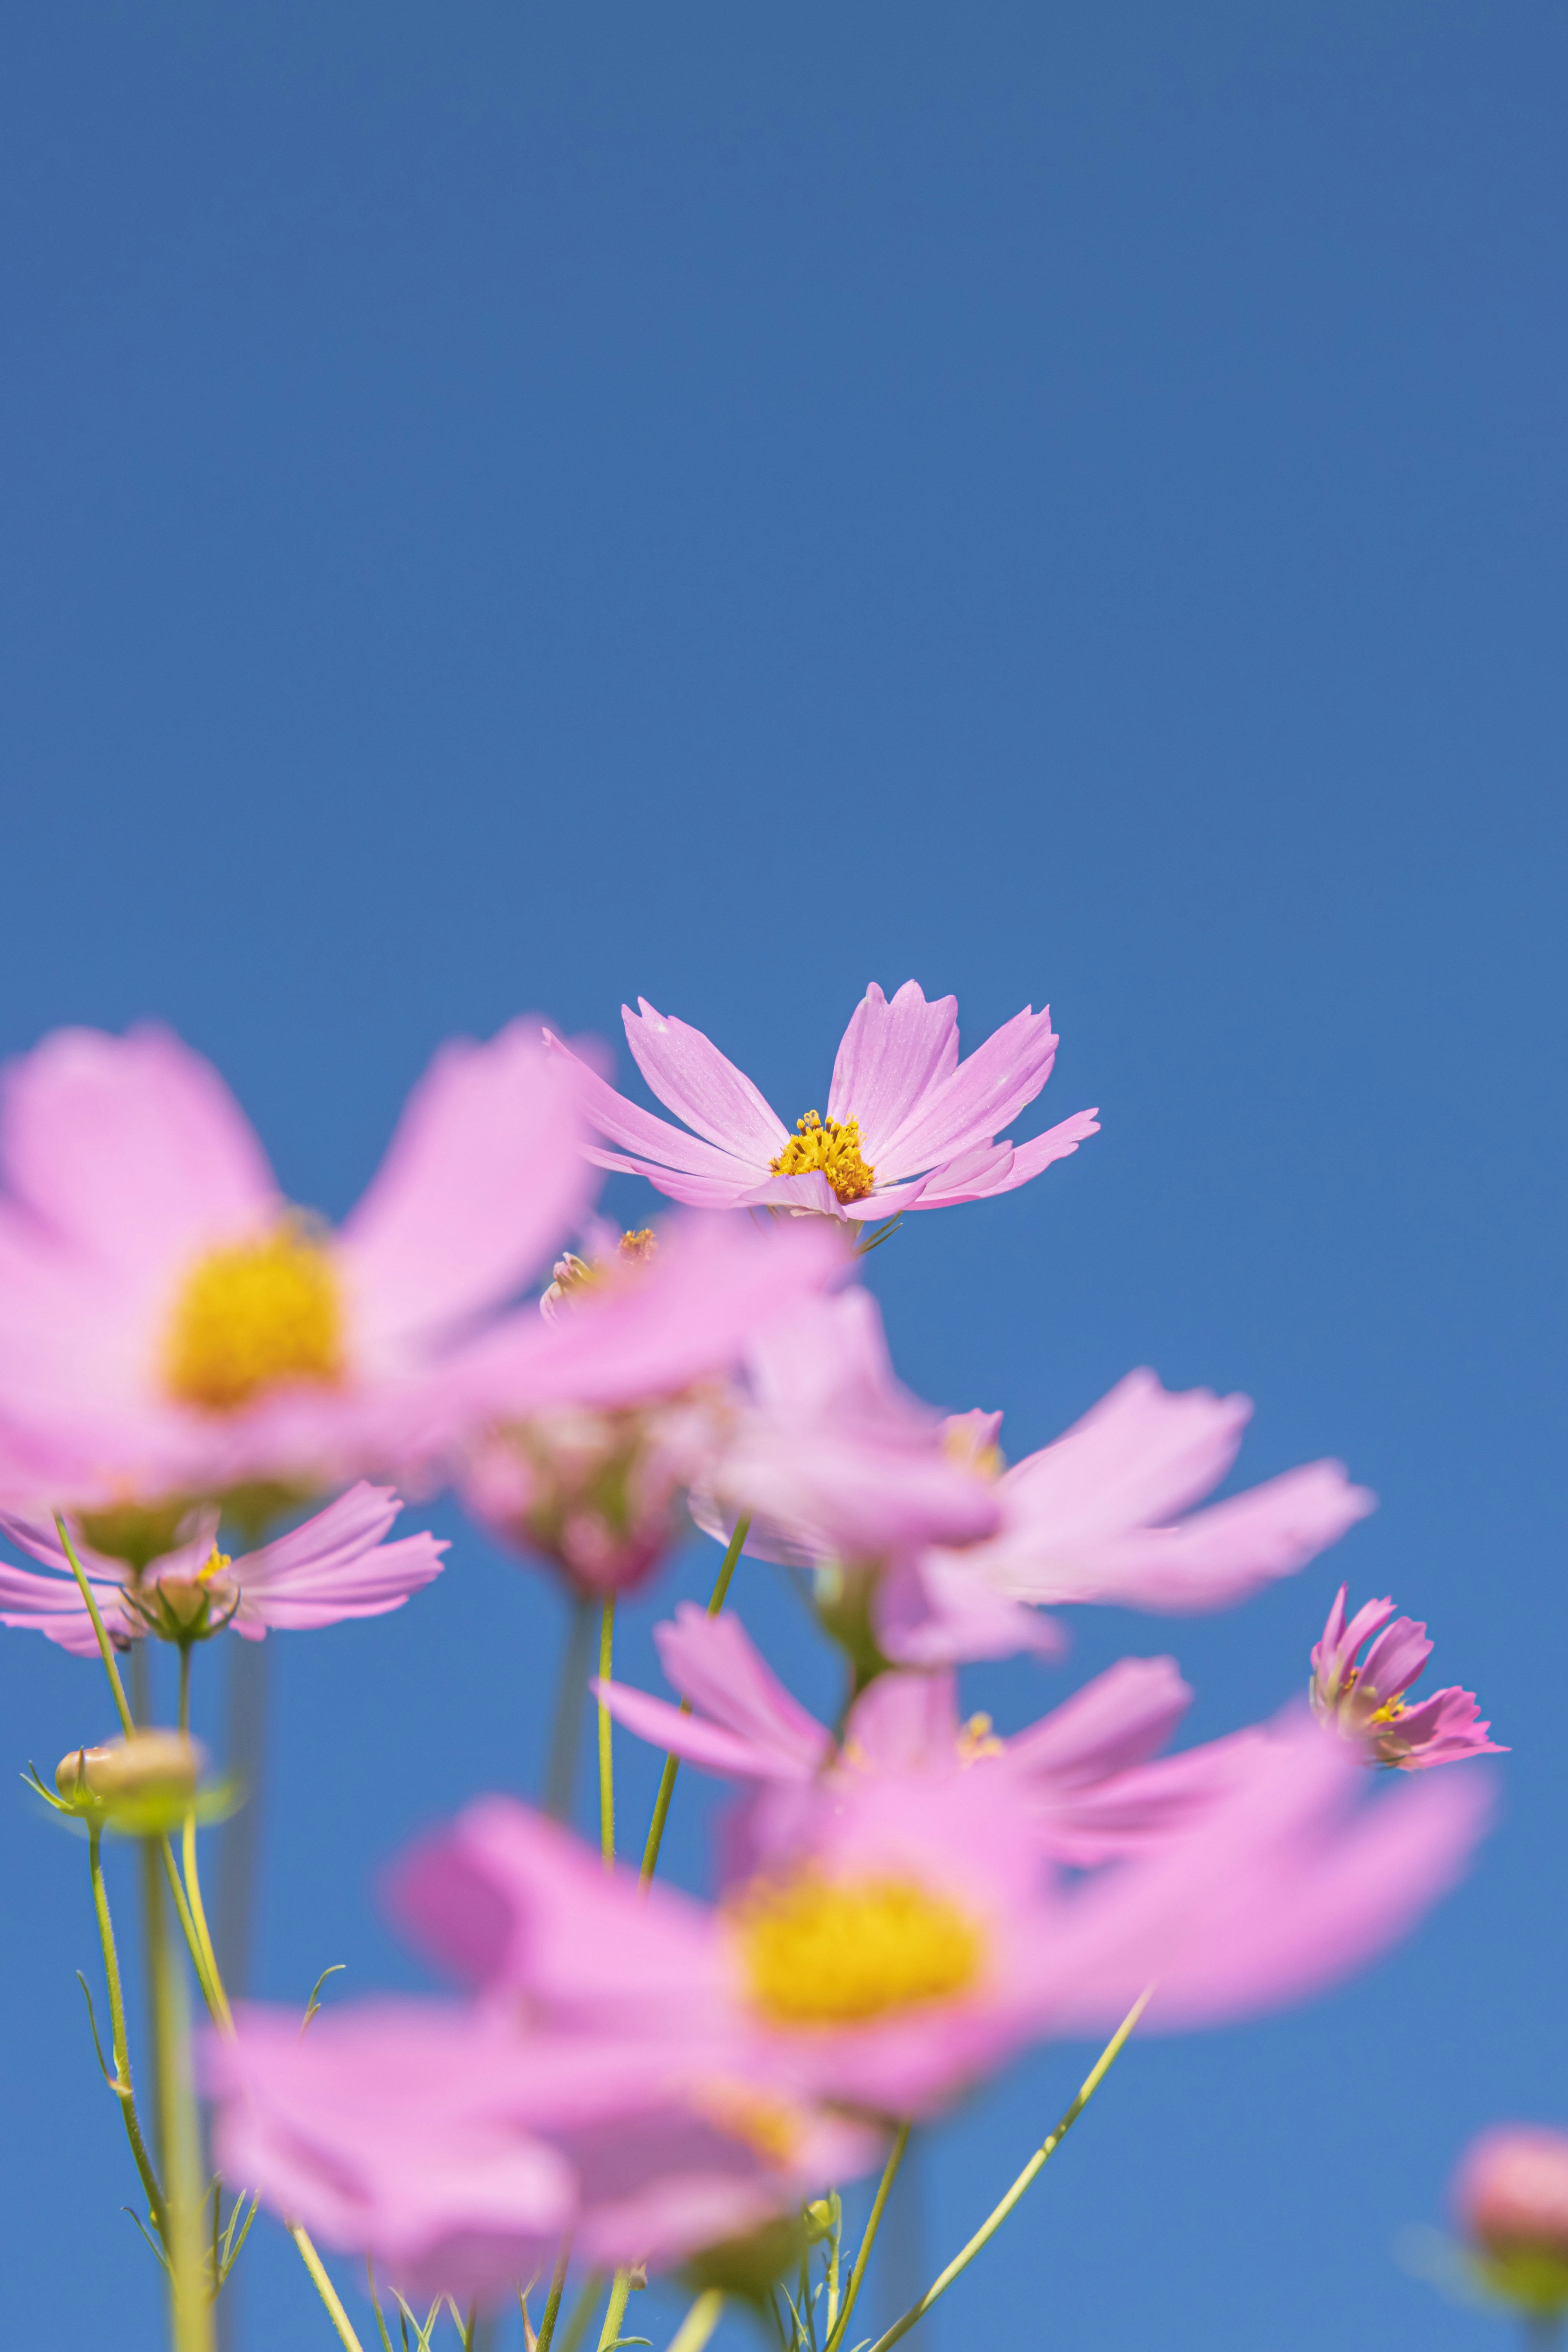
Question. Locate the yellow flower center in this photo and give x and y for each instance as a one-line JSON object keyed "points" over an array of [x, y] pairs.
{"points": [[978, 1738], [833, 1147], [253, 1314], [816, 1952], [766, 2126], [214, 1567]]}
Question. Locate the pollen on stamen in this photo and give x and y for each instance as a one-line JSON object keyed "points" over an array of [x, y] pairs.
{"points": [[820, 1952], [252, 1315], [831, 1147]]}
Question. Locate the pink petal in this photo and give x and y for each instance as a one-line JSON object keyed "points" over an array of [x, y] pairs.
{"points": [[712, 1661], [1118, 1720], [892, 1059], [335, 1567], [610, 1115], [482, 1180], [904, 1723], [688, 1072], [984, 1175], [132, 1149], [701, 1743], [975, 1100], [1220, 1555]]}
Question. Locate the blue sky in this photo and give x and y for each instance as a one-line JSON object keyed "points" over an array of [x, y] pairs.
{"points": [[507, 508]]}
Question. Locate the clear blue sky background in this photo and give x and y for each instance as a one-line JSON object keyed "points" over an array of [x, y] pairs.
{"points": [[511, 507]]}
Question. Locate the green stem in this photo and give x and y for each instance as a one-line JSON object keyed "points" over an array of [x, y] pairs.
{"points": [[106, 1647], [889, 2174], [199, 1934], [324, 2287], [1047, 2148], [606, 1758], [566, 1733], [553, 2301], [614, 2310], [189, 2303], [672, 1763], [836, 2248], [119, 2043], [583, 2310], [699, 2322]]}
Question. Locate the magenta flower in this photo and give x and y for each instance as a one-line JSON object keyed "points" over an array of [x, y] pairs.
{"points": [[1367, 1703], [1090, 1787], [1510, 2195], [908, 1126], [920, 1937], [1097, 1516], [335, 1566], [174, 1329], [454, 2146]]}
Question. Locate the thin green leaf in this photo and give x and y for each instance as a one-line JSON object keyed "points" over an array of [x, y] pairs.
{"points": [[314, 2004], [112, 2080], [157, 2251]]}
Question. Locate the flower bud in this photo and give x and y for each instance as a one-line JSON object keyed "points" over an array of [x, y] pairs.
{"points": [[143, 1785], [1512, 2196]]}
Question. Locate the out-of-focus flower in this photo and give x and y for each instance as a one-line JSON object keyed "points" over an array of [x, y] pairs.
{"points": [[908, 1126], [1090, 1787], [1510, 2195], [1096, 1516], [336, 1565], [174, 1330], [922, 1937], [1367, 1703], [455, 2145], [141, 1786], [577, 1434]]}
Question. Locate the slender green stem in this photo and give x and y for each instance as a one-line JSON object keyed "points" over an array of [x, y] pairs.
{"points": [[1046, 2148], [583, 2310], [834, 2250], [106, 1647], [324, 2287], [856, 2276], [552, 2300], [119, 2043], [699, 2322], [606, 1758], [206, 1958], [189, 2303], [566, 1733], [672, 1763], [614, 2310]]}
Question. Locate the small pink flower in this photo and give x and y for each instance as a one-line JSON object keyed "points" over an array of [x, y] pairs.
{"points": [[1367, 1703], [908, 1126], [1091, 1785], [1098, 1518], [335, 1566], [1510, 2195], [174, 1329], [918, 1937]]}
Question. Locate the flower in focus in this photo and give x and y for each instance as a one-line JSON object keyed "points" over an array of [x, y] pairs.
{"points": [[576, 1435], [1090, 1787], [455, 2144], [908, 1126], [1510, 2195], [174, 1330], [336, 1565], [1095, 1517], [920, 1937], [1367, 1703]]}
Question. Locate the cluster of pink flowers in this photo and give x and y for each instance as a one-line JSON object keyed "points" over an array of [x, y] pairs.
{"points": [[902, 1900]]}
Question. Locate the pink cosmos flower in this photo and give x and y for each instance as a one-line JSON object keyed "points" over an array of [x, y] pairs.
{"points": [[1090, 1787], [922, 1937], [908, 1126], [454, 2146], [1367, 1703], [174, 1329], [335, 1566], [1510, 2195]]}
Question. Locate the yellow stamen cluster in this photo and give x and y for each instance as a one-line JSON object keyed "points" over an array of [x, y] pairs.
{"points": [[639, 1247], [834, 1149], [766, 2126], [977, 1738], [254, 1314], [817, 1951], [214, 1567]]}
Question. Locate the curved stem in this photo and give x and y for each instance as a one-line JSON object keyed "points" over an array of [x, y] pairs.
{"points": [[614, 2310], [672, 1763], [699, 2322], [199, 1933], [999, 2213], [606, 1758], [119, 2043], [106, 1647], [583, 2310], [552, 2300], [856, 2276], [566, 1733], [324, 2287]]}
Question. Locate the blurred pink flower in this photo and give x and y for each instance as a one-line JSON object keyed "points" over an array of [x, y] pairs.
{"points": [[908, 1126], [1096, 1516], [1366, 1704], [172, 1327], [336, 1565], [1511, 2197], [1089, 1786], [454, 2146], [921, 1937]]}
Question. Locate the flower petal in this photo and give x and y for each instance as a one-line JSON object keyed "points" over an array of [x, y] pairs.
{"points": [[975, 1099], [688, 1072], [892, 1059]]}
